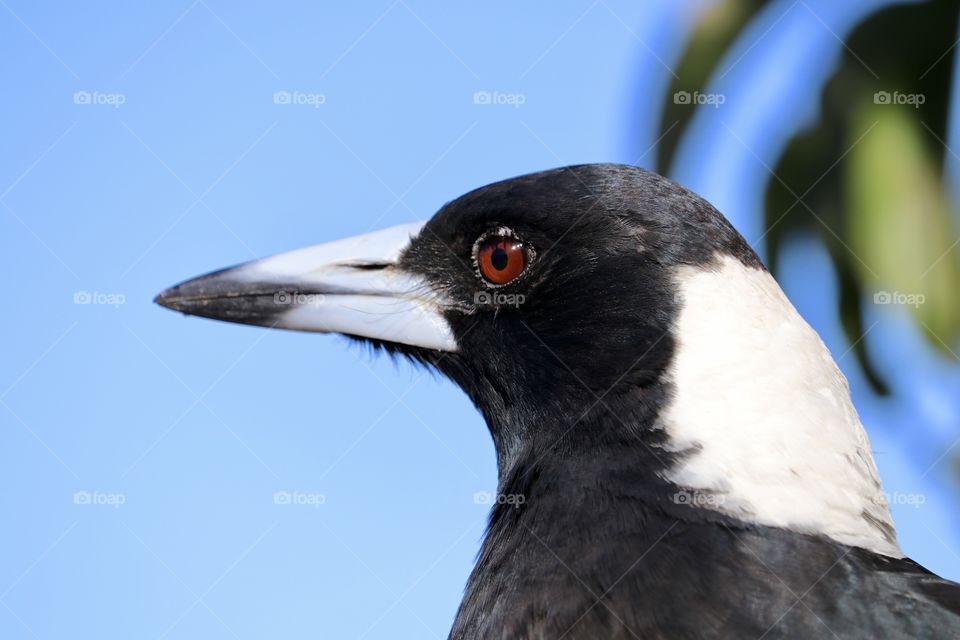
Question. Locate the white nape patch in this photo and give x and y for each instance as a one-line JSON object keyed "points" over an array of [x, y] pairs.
{"points": [[764, 414]]}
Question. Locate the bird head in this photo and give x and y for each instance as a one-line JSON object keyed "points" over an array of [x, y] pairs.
{"points": [[556, 286], [601, 317]]}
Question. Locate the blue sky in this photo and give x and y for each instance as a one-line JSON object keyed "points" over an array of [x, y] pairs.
{"points": [[195, 425], [166, 477]]}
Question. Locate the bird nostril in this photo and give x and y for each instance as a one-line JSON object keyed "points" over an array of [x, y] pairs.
{"points": [[368, 266]]}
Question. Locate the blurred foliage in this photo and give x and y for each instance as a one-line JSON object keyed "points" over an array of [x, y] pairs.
{"points": [[898, 218], [869, 172], [711, 37]]}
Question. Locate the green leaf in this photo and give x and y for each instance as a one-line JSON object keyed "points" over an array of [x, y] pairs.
{"points": [[899, 224]]}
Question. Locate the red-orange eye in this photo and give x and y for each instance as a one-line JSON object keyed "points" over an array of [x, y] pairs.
{"points": [[501, 259]]}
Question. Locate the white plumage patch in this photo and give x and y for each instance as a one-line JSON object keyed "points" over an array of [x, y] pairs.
{"points": [[764, 415]]}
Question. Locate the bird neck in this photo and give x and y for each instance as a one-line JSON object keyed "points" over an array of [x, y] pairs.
{"points": [[750, 421], [612, 456]]}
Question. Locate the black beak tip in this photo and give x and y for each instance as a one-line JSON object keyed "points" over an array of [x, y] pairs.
{"points": [[218, 299], [169, 299]]}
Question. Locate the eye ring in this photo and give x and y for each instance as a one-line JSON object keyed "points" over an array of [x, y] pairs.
{"points": [[501, 257]]}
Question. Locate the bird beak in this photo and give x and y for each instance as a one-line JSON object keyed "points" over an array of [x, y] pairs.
{"points": [[352, 286]]}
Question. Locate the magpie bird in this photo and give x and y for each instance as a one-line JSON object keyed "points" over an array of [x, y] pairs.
{"points": [[678, 453]]}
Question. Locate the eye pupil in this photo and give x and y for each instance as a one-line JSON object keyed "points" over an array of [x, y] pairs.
{"points": [[499, 259]]}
